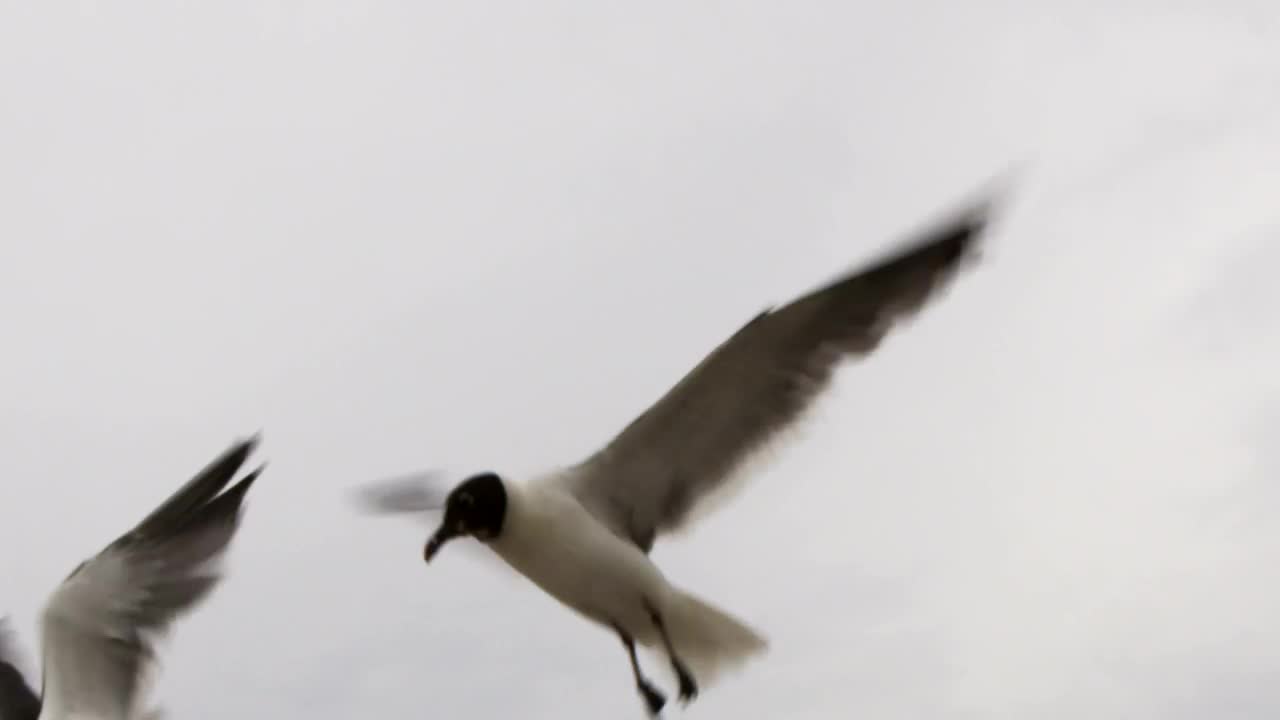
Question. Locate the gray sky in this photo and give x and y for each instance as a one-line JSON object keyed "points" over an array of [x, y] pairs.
{"points": [[396, 235]]}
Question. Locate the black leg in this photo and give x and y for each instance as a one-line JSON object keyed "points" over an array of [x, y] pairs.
{"points": [[653, 698], [688, 687]]}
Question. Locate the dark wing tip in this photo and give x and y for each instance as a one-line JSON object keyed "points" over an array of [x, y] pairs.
{"points": [[244, 447], [232, 459], [948, 242], [183, 505], [235, 495], [940, 248], [223, 511], [973, 219], [958, 235], [866, 302], [962, 243], [253, 474]]}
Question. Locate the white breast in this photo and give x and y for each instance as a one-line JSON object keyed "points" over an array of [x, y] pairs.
{"points": [[552, 540]]}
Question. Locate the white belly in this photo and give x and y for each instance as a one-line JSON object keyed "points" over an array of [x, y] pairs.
{"points": [[557, 544]]}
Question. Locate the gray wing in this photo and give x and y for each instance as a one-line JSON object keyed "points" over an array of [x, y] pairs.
{"points": [[649, 477], [101, 625], [17, 700], [420, 494]]}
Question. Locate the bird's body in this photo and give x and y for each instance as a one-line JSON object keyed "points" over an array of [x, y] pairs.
{"points": [[100, 626], [583, 533], [555, 542]]}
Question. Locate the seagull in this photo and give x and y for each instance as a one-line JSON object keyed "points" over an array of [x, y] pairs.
{"points": [[101, 625], [583, 532]]}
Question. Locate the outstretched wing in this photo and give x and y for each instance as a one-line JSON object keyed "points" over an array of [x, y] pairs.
{"points": [[101, 625], [17, 700], [760, 381]]}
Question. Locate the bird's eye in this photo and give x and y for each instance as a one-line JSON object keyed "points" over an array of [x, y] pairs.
{"points": [[466, 499]]}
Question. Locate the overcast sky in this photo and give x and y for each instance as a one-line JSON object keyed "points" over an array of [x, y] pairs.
{"points": [[486, 235]]}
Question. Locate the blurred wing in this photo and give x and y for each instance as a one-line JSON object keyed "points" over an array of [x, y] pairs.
{"points": [[101, 625], [18, 701], [414, 494], [759, 382]]}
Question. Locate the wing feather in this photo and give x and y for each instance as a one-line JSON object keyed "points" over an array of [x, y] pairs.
{"points": [[759, 382], [101, 625], [418, 493]]}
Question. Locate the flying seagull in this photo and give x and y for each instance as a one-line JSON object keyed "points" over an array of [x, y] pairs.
{"points": [[583, 532], [101, 625]]}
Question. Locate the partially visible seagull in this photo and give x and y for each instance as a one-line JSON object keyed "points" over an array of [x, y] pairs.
{"points": [[101, 625], [583, 533]]}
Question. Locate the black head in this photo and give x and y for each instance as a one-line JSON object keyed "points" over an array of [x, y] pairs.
{"points": [[476, 507]]}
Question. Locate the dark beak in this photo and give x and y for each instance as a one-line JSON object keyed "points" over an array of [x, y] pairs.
{"points": [[442, 536]]}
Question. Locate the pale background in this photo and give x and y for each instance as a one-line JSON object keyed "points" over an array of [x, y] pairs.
{"points": [[485, 235]]}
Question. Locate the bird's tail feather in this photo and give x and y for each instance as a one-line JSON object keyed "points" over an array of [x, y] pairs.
{"points": [[708, 640]]}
